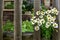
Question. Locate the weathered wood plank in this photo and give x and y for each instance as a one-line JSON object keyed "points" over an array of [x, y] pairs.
{"points": [[36, 8], [1, 17], [58, 7], [53, 3], [17, 19], [8, 0], [8, 9], [55, 35], [37, 4]]}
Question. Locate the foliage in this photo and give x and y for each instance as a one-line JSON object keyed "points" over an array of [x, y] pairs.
{"points": [[46, 20], [27, 26], [27, 6], [8, 26], [9, 5]]}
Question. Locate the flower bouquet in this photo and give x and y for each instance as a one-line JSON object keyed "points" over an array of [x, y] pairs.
{"points": [[46, 22]]}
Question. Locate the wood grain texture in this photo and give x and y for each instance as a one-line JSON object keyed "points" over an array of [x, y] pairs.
{"points": [[8, 0], [17, 19], [36, 35], [1, 19], [58, 7]]}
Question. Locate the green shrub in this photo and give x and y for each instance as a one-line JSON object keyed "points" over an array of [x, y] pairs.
{"points": [[9, 5], [8, 26], [26, 26]]}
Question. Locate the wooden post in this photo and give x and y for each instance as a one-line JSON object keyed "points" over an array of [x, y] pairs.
{"points": [[37, 4], [53, 3], [17, 19], [36, 8], [1, 17], [58, 7]]}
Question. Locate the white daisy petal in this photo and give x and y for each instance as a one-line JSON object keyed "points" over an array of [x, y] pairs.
{"points": [[48, 24], [36, 28], [55, 25]]}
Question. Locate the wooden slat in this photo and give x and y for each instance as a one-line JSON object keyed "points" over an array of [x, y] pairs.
{"points": [[58, 7], [53, 3], [8, 0], [37, 4], [8, 9], [17, 19], [55, 35], [36, 8], [1, 17]]}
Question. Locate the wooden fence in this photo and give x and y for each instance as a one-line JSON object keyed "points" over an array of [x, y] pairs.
{"points": [[18, 19]]}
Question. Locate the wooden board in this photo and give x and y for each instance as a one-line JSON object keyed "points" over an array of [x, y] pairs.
{"points": [[8, 0], [17, 19], [36, 35], [58, 7], [1, 19]]}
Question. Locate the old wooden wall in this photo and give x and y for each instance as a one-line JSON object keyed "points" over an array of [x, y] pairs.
{"points": [[18, 19]]}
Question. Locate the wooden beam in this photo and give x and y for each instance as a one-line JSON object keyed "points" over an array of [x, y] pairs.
{"points": [[8, 0], [58, 7], [17, 19], [37, 4], [53, 3], [1, 17], [8, 9]]}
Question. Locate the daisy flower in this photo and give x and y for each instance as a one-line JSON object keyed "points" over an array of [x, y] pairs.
{"points": [[48, 24], [38, 12], [37, 28], [55, 25]]}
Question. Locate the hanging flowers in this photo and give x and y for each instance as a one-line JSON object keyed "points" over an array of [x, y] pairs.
{"points": [[46, 21], [46, 17]]}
